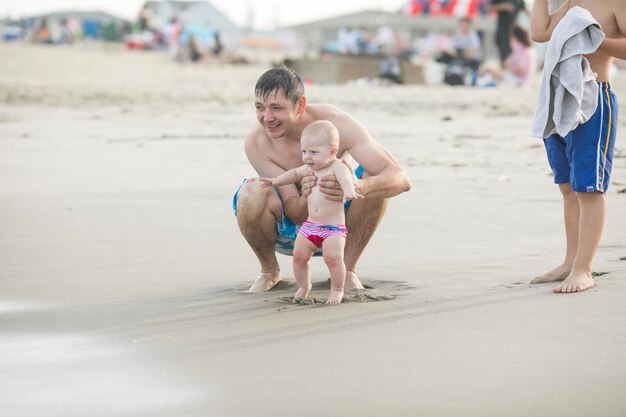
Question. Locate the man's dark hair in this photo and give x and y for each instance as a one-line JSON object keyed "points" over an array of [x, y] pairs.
{"points": [[280, 79]]}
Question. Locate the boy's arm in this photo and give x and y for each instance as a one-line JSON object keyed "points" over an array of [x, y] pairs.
{"points": [[344, 178], [542, 22], [617, 46], [614, 47], [291, 176]]}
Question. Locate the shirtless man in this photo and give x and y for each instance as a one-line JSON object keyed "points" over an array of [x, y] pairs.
{"points": [[273, 147], [584, 209]]}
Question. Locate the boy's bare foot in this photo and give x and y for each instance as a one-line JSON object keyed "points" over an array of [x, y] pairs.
{"points": [[352, 281], [266, 281], [302, 293], [557, 274], [575, 282], [335, 297]]}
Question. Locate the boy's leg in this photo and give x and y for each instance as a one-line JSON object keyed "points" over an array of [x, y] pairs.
{"points": [[257, 212], [333, 248], [592, 217], [303, 249], [571, 215]]}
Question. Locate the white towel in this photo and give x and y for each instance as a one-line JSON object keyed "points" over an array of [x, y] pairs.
{"points": [[569, 93]]}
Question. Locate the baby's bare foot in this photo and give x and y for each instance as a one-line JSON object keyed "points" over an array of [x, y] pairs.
{"points": [[557, 274], [575, 282], [266, 281], [302, 293], [352, 282], [335, 297]]}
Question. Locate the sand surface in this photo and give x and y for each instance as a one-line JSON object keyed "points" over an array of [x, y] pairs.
{"points": [[123, 275]]}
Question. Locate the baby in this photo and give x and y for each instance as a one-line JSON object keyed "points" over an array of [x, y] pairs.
{"points": [[325, 228]]}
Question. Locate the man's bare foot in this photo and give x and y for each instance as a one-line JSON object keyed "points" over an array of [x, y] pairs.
{"points": [[302, 293], [335, 297], [266, 281], [557, 274], [352, 282], [575, 282]]}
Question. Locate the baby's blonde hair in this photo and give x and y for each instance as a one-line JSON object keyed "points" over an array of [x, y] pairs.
{"points": [[324, 131]]}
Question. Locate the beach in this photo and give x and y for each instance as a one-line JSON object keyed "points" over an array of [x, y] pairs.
{"points": [[123, 275]]}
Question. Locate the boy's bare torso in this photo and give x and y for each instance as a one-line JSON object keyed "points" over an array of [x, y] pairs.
{"points": [[602, 11], [322, 210]]}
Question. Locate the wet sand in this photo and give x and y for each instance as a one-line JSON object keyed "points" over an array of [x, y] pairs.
{"points": [[123, 275]]}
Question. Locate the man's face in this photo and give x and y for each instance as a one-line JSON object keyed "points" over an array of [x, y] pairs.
{"points": [[276, 113]]}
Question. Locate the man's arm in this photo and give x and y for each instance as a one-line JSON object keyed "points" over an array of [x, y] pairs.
{"points": [[542, 23], [386, 177]]}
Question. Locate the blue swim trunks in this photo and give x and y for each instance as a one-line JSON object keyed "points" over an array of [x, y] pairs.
{"points": [[287, 230], [584, 157]]}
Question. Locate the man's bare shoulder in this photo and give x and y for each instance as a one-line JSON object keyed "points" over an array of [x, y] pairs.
{"points": [[326, 112], [256, 139], [350, 129]]}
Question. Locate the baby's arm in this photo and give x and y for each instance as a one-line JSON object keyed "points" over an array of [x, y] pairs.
{"points": [[288, 177], [344, 178], [542, 22]]}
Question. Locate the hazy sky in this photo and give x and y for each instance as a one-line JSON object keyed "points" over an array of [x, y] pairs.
{"points": [[267, 13]]}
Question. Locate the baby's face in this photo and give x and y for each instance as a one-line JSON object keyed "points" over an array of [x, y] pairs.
{"points": [[316, 152]]}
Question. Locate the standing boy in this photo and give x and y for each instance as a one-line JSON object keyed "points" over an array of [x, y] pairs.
{"points": [[581, 159], [325, 227]]}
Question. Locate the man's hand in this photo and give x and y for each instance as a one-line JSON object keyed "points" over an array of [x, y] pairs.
{"points": [[330, 186], [308, 182]]}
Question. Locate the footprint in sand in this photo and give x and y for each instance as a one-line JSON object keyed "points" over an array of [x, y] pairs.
{"points": [[374, 292]]}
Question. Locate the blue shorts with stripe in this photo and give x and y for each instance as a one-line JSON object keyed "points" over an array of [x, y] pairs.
{"points": [[584, 157], [287, 230]]}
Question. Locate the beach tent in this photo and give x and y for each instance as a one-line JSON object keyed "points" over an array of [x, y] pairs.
{"points": [[203, 19]]}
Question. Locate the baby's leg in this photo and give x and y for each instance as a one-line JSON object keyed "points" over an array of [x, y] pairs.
{"points": [[303, 249], [333, 256]]}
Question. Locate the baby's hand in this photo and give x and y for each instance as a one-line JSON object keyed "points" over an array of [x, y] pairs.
{"points": [[352, 196], [266, 182]]}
